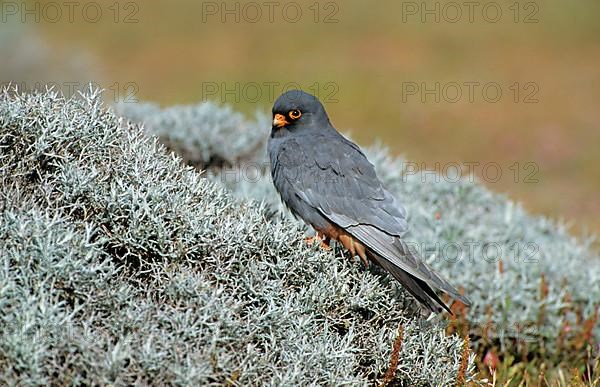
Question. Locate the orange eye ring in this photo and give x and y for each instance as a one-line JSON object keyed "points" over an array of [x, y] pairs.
{"points": [[295, 114]]}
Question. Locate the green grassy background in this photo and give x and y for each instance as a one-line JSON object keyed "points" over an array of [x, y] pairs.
{"points": [[169, 53]]}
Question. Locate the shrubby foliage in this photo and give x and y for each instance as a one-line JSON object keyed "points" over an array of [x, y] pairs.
{"points": [[203, 134], [535, 288], [120, 265]]}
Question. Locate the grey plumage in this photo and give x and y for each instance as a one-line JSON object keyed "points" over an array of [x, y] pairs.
{"points": [[327, 181]]}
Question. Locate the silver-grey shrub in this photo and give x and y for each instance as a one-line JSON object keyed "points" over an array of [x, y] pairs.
{"points": [[120, 265], [205, 134], [535, 288]]}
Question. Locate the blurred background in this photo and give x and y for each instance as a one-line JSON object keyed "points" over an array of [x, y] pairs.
{"points": [[508, 90]]}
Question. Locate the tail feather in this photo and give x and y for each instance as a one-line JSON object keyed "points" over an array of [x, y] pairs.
{"points": [[394, 255], [418, 288], [434, 279]]}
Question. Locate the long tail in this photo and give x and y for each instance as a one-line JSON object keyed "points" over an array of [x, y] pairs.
{"points": [[418, 288], [395, 256]]}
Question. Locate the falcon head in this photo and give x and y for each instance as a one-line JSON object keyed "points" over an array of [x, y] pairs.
{"points": [[296, 109]]}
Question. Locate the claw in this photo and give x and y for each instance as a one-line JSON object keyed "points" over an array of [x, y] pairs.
{"points": [[321, 238]]}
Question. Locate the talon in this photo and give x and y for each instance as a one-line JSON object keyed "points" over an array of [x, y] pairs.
{"points": [[323, 241], [325, 245]]}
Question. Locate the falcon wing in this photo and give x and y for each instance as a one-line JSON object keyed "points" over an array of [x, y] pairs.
{"points": [[342, 184], [335, 178]]}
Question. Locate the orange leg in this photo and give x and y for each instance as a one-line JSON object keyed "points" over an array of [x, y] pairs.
{"points": [[355, 248]]}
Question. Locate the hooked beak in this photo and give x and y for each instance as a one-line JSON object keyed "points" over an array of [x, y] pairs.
{"points": [[279, 121]]}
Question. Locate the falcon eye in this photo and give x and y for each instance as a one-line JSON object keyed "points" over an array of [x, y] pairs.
{"points": [[295, 114]]}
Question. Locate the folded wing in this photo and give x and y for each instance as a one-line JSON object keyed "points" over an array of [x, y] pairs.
{"points": [[339, 182]]}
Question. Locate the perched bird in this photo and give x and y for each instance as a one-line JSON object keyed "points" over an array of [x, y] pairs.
{"points": [[326, 180]]}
